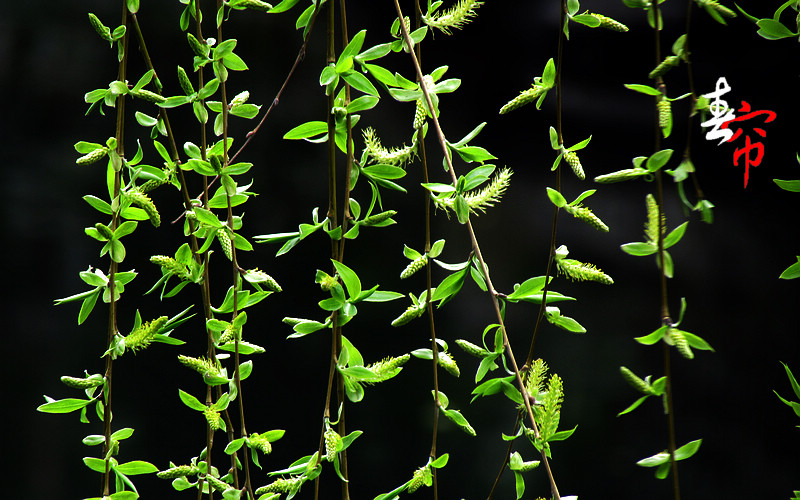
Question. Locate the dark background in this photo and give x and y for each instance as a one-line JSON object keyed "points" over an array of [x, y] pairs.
{"points": [[727, 271]]}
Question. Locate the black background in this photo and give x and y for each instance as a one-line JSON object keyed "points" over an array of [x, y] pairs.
{"points": [[727, 271]]}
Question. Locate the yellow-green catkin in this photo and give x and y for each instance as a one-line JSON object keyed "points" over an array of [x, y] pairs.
{"points": [[664, 113], [571, 157], [551, 406], [414, 311], [185, 82], [721, 9], [225, 243], [278, 486], [260, 442], [258, 276], [651, 227], [216, 483], [387, 368], [679, 340], [82, 383], [420, 114], [150, 185], [608, 23], [536, 376], [636, 382], [524, 97], [179, 471], [417, 480], [92, 157], [666, 65], [414, 266], [395, 156], [141, 337], [202, 366], [333, 442], [141, 200], [454, 18], [587, 216], [171, 266], [580, 271], [240, 98], [449, 364], [620, 175], [485, 197], [213, 418]]}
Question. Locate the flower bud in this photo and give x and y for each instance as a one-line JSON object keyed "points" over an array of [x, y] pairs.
{"points": [[414, 266], [92, 156], [608, 23], [572, 159], [525, 97]]}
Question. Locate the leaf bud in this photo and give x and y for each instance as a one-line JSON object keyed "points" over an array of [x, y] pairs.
{"points": [[100, 28], [621, 175], [216, 483], [82, 383], [147, 95], [200, 49], [185, 82]]}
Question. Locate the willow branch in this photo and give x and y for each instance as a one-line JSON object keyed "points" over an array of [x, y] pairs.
{"points": [[477, 251]]}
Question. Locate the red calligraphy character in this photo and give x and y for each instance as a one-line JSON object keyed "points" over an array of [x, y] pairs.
{"points": [[748, 145]]}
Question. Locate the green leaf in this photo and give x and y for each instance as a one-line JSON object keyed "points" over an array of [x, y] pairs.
{"points": [[792, 380], [586, 19], [635, 405], [696, 342], [773, 30], [549, 74], [63, 405], [354, 47], [191, 401], [528, 288], [792, 185], [306, 130], [362, 103], [655, 460], [639, 249], [136, 467], [474, 153], [653, 337], [644, 89], [792, 271], [441, 461], [675, 235], [350, 279], [658, 160], [688, 449], [556, 197], [122, 434], [360, 82], [96, 464]]}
